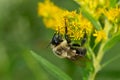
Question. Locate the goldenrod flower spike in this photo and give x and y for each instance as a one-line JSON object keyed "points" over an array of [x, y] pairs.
{"points": [[54, 18], [51, 14]]}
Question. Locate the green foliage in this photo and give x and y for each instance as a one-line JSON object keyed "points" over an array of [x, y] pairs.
{"points": [[110, 61], [55, 71], [113, 3], [21, 28], [111, 42]]}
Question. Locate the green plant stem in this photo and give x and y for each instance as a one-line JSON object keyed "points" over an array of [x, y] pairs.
{"points": [[97, 59], [100, 53], [92, 76], [96, 62], [97, 67]]}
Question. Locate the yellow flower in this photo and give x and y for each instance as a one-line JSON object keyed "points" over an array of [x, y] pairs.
{"points": [[57, 19], [98, 12], [47, 9], [85, 24], [100, 35], [112, 14], [77, 25], [92, 6], [51, 14]]}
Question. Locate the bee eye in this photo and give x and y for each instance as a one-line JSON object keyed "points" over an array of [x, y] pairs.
{"points": [[57, 39]]}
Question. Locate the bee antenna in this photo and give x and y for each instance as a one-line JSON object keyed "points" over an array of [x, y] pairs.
{"points": [[51, 40], [65, 27], [66, 34], [48, 45]]}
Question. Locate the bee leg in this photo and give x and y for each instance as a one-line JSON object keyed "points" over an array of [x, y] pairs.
{"points": [[81, 51], [57, 39], [84, 39]]}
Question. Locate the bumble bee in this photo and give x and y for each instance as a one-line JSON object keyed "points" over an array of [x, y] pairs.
{"points": [[63, 48]]}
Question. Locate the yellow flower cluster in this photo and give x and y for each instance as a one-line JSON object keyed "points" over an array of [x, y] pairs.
{"points": [[51, 14], [95, 7], [98, 8], [112, 14], [77, 25], [57, 19]]}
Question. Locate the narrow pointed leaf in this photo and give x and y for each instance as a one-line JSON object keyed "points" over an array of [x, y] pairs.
{"points": [[55, 71], [91, 19]]}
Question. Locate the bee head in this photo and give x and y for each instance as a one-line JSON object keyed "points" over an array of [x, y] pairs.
{"points": [[57, 39]]}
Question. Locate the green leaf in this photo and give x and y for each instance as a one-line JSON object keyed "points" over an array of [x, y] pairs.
{"points": [[111, 42], [77, 1], [55, 71], [111, 60], [113, 3], [91, 19]]}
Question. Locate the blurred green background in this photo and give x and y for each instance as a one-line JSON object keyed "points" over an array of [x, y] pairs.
{"points": [[21, 29]]}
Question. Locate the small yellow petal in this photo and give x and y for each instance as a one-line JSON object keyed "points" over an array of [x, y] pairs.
{"points": [[100, 35]]}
